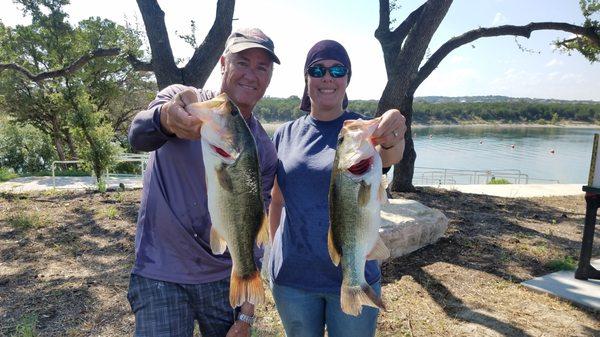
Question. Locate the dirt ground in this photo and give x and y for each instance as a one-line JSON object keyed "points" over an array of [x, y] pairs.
{"points": [[65, 260]]}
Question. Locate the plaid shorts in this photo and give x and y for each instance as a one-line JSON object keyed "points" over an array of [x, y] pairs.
{"points": [[170, 309]]}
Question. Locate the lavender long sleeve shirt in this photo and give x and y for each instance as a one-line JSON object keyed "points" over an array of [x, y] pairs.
{"points": [[172, 241]]}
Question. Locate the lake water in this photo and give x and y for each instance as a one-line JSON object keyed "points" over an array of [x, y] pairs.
{"points": [[561, 154], [491, 149]]}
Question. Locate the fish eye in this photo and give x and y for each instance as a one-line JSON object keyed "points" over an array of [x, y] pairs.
{"points": [[341, 139]]}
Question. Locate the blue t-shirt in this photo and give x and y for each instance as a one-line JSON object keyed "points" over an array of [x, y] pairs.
{"points": [[306, 150]]}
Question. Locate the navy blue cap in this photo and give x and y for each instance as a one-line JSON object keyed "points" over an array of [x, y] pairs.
{"points": [[325, 50]]}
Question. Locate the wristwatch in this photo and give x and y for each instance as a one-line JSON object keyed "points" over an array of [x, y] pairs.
{"points": [[247, 319]]}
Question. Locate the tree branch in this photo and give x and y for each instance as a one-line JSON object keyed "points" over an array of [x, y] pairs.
{"points": [[198, 69], [391, 42], [64, 71], [138, 64], [475, 34], [402, 30], [384, 20], [163, 63]]}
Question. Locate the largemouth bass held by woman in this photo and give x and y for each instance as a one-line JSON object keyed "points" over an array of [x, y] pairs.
{"points": [[355, 197]]}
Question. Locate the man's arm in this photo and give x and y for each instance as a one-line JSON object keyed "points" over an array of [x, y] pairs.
{"points": [[240, 328]]}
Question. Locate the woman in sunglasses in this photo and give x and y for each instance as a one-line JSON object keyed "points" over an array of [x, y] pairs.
{"points": [[306, 284]]}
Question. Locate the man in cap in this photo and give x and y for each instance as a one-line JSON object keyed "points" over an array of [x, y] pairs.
{"points": [[176, 280]]}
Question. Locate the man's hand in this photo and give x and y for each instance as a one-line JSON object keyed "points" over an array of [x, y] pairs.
{"points": [[174, 119], [239, 329]]}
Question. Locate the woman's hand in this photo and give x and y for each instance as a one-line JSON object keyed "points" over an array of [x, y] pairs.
{"points": [[389, 135], [391, 129]]}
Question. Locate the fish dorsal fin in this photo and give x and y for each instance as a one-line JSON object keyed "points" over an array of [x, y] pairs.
{"points": [[380, 251], [217, 243], [263, 233], [333, 252]]}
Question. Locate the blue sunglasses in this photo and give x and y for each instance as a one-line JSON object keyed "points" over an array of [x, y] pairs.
{"points": [[319, 71]]}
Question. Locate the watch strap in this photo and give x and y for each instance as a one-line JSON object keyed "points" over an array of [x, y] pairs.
{"points": [[246, 318]]}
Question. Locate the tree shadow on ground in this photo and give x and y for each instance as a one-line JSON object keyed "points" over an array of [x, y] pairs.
{"points": [[484, 234], [72, 271]]}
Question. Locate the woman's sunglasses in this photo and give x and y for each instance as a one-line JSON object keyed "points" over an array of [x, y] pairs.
{"points": [[319, 71]]}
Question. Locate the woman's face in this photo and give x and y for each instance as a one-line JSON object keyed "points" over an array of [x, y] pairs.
{"points": [[327, 93]]}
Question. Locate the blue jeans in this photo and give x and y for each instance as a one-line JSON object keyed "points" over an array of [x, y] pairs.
{"points": [[305, 314], [170, 309]]}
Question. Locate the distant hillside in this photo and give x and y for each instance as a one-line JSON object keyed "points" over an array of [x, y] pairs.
{"points": [[494, 99], [456, 110]]}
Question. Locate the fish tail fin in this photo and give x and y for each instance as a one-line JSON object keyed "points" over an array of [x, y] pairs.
{"points": [[263, 233], [354, 297], [246, 289], [333, 252]]}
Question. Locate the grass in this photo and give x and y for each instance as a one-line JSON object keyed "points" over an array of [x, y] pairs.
{"points": [[566, 263], [23, 220], [26, 327], [112, 212]]}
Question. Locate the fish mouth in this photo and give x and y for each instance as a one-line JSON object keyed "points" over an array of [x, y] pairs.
{"points": [[361, 167]]}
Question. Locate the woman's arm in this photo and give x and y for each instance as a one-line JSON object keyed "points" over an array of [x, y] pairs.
{"points": [[275, 209]]}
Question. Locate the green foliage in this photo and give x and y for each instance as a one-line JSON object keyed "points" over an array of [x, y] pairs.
{"points": [[7, 174], [112, 212], [271, 109], [591, 51], [25, 148], [101, 185], [99, 152], [26, 327], [113, 91], [498, 181], [566, 263]]}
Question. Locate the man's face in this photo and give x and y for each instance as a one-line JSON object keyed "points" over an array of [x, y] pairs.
{"points": [[246, 76]]}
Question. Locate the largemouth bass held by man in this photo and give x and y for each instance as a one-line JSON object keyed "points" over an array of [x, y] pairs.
{"points": [[355, 197], [234, 194]]}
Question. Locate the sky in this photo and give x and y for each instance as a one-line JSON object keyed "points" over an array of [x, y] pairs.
{"points": [[488, 66]]}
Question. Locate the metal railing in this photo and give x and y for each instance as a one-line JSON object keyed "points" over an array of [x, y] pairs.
{"points": [[126, 157], [445, 176]]}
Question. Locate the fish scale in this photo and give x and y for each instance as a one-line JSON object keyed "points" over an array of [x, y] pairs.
{"points": [[355, 198], [234, 197]]}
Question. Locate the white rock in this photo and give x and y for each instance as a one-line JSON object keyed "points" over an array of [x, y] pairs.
{"points": [[407, 225]]}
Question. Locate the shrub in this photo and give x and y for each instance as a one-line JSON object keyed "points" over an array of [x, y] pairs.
{"points": [[7, 174], [566, 263], [498, 181], [24, 148]]}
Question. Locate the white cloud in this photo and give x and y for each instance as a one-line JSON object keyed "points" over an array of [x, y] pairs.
{"points": [[554, 62], [499, 19]]}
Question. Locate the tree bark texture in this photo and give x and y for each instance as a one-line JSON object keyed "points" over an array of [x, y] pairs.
{"points": [[404, 49], [206, 56]]}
